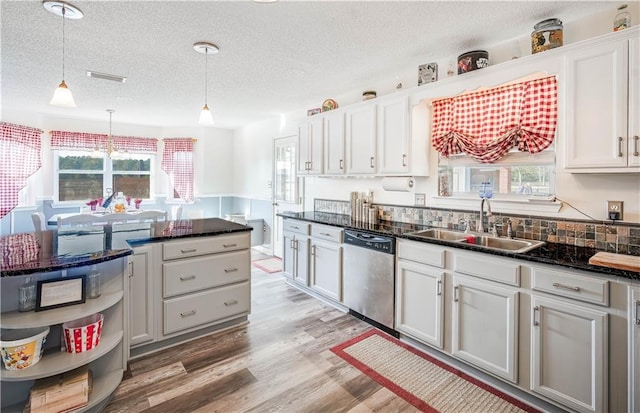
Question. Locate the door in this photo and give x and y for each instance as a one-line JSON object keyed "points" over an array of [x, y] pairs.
{"points": [[326, 269], [141, 296], [393, 136], [634, 102], [634, 349], [361, 139], [419, 302], [334, 143], [569, 354], [286, 186], [485, 326]]}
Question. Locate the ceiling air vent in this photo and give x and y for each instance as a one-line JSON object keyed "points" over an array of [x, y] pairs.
{"points": [[106, 76]]}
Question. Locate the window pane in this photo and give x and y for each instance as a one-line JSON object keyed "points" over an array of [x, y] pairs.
{"points": [[79, 187], [138, 164], [79, 163], [135, 186], [505, 180]]}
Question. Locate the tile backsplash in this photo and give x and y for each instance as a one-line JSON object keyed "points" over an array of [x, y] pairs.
{"points": [[602, 235]]}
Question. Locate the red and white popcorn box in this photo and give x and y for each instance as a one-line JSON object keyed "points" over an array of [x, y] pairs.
{"points": [[83, 334]]}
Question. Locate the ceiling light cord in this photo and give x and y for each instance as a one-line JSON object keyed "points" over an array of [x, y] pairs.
{"points": [[206, 75], [63, 19]]}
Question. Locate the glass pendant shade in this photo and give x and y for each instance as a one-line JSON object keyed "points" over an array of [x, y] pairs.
{"points": [[205, 116], [62, 97]]}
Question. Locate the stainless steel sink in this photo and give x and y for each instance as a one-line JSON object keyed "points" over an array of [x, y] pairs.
{"points": [[440, 234], [505, 244]]}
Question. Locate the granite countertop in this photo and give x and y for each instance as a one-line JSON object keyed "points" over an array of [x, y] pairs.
{"points": [[34, 252], [550, 253]]}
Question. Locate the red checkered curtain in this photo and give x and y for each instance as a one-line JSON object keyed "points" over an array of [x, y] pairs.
{"points": [[177, 162], [487, 124], [90, 141], [19, 159]]}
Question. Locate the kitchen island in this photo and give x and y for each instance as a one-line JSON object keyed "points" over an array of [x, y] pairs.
{"points": [[60, 255]]}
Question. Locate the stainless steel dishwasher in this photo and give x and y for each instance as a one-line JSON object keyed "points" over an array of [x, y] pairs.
{"points": [[368, 275]]}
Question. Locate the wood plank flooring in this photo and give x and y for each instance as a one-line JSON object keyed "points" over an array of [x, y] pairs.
{"points": [[279, 362]]}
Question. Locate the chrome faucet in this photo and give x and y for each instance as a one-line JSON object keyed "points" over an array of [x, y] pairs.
{"points": [[480, 224]]}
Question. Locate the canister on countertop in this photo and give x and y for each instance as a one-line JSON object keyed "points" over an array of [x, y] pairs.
{"points": [[546, 35]]}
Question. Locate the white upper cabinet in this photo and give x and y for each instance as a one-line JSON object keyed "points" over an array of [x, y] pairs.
{"points": [[393, 135], [334, 143], [602, 105], [310, 135], [361, 139]]}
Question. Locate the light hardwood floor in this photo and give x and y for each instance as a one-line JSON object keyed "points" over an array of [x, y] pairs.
{"points": [[279, 362]]}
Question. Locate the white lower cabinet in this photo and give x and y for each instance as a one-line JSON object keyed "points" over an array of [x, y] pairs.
{"points": [[295, 251], [569, 354], [634, 349], [485, 326], [419, 309], [141, 271], [326, 268]]}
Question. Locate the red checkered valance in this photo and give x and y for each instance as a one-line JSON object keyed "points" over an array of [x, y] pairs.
{"points": [[177, 162], [19, 159], [487, 124], [91, 141]]}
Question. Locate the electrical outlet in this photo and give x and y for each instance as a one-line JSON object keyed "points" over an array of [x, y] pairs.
{"points": [[614, 210], [419, 199]]}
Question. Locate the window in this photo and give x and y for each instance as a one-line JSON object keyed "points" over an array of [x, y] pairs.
{"points": [[516, 176], [82, 175]]}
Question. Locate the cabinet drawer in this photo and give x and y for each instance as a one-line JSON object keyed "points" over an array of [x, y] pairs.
{"points": [[206, 245], [421, 252], [185, 276], [327, 233], [205, 307], [565, 284], [485, 266], [299, 227]]}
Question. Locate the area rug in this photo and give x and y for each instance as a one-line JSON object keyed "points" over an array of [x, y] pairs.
{"points": [[425, 382], [269, 265]]}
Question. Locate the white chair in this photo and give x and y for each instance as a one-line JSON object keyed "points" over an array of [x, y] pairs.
{"points": [[78, 220], [150, 216], [177, 213], [39, 221]]}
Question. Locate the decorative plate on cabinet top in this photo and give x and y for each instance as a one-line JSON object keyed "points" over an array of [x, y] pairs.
{"points": [[329, 104]]}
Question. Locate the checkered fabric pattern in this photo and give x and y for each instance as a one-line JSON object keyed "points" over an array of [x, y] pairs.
{"points": [[19, 249], [90, 141], [19, 159], [487, 124], [177, 162], [176, 228]]}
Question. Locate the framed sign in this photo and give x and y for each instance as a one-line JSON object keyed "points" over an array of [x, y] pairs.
{"points": [[60, 292]]}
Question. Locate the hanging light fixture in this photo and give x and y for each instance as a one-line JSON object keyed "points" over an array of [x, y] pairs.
{"points": [[205, 48], [110, 149], [62, 95]]}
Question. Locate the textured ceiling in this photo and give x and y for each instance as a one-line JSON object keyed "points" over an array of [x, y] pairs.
{"points": [[274, 58]]}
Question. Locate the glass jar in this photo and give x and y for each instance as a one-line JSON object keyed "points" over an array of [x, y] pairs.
{"points": [[27, 296], [94, 283], [622, 20], [120, 204], [546, 35]]}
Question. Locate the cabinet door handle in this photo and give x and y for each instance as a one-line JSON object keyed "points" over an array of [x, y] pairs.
{"points": [[636, 150], [228, 270], [620, 146], [188, 251], [294, 227], [131, 269], [638, 313], [291, 245], [439, 286], [188, 313], [229, 245], [313, 250], [230, 303], [326, 234], [187, 277], [295, 244], [536, 309], [566, 287], [404, 160], [371, 163], [342, 162], [455, 294]]}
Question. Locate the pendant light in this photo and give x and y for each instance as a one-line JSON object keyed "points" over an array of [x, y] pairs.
{"points": [[62, 95], [205, 48]]}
